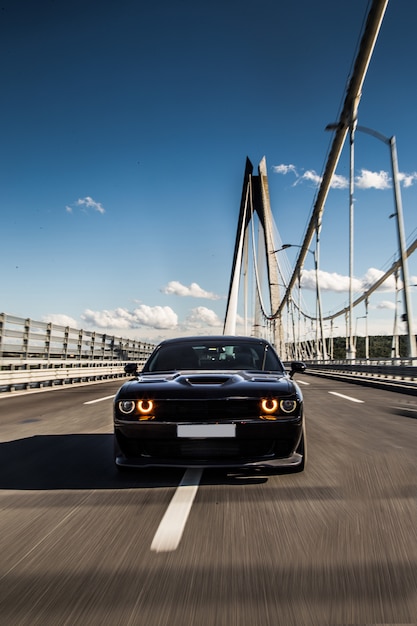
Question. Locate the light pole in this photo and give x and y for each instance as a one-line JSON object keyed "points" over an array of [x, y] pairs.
{"points": [[332, 327], [391, 143], [408, 318], [366, 329], [319, 315], [395, 346], [360, 317]]}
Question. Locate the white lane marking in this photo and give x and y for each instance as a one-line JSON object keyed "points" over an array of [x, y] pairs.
{"points": [[98, 400], [171, 528], [346, 397], [302, 382]]}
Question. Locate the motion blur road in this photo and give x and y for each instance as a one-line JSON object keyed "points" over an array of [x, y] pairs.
{"points": [[335, 544]]}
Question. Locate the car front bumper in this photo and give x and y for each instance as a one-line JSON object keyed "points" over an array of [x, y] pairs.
{"points": [[254, 444]]}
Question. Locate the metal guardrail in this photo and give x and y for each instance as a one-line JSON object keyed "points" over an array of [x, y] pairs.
{"points": [[40, 354], [388, 368], [392, 375], [28, 339], [41, 375]]}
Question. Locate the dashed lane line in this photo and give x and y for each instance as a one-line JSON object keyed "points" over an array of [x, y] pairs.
{"points": [[341, 395], [171, 528], [99, 400]]}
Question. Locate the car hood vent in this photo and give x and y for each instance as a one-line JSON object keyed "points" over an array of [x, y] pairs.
{"points": [[208, 379]]}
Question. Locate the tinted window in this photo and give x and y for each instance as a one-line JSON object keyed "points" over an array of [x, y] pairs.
{"points": [[214, 356]]}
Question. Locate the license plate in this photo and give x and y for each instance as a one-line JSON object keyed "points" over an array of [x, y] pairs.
{"points": [[206, 430]]}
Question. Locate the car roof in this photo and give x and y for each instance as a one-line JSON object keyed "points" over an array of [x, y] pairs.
{"points": [[216, 338]]}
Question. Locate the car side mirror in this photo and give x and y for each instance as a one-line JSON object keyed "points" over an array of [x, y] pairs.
{"points": [[297, 367], [131, 369]]}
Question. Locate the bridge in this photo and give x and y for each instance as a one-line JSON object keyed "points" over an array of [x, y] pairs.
{"points": [[278, 291], [264, 289], [336, 544]]}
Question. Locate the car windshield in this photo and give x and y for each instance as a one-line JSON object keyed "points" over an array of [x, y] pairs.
{"points": [[214, 355]]}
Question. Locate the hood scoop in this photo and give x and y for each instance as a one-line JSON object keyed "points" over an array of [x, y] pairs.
{"points": [[266, 379], [207, 379]]}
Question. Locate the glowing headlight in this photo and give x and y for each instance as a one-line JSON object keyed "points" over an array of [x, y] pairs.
{"points": [[145, 406], [288, 406], [126, 406], [269, 405]]}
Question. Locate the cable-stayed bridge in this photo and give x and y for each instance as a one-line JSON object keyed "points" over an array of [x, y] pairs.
{"points": [[277, 300], [264, 289], [261, 277]]}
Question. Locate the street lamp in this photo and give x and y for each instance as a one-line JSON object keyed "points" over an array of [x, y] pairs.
{"points": [[366, 329], [400, 233], [391, 143], [319, 315], [360, 317]]}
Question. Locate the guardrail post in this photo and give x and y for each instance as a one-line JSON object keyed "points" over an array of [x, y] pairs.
{"points": [[26, 333]]}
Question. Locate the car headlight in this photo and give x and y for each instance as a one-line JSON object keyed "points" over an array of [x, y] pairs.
{"points": [[126, 406], [272, 408], [145, 410], [145, 407], [269, 405], [288, 406]]}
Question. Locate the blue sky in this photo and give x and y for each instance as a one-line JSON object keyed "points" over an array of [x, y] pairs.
{"points": [[125, 127]]}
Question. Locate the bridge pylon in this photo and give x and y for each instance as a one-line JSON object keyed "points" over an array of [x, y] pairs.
{"points": [[255, 202]]}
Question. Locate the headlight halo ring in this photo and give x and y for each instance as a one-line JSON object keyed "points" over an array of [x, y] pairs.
{"points": [[145, 406], [126, 406], [269, 405], [288, 406]]}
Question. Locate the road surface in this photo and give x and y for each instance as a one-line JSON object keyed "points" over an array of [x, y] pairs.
{"points": [[336, 544]]}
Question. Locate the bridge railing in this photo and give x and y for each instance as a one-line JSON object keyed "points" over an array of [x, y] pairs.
{"points": [[36, 354], [392, 374]]}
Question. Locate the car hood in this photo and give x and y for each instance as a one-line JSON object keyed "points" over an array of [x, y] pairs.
{"points": [[211, 384]]}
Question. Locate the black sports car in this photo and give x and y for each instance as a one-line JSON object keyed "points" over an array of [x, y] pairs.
{"points": [[211, 402]]}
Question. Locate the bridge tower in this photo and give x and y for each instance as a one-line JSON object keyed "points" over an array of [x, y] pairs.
{"points": [[255, 201]]}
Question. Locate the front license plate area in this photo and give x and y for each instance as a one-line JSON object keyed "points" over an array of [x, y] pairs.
{"points": [[206, 430]]}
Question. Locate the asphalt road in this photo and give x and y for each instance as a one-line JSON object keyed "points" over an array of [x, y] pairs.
{"points": [[336, 544]]}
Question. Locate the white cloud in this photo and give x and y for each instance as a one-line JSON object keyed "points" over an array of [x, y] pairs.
{"points": [[285, 169], [153, 317], [86, 203], [385, 304], [382, 180], [194, 290], [201, 317], [60, 319], [331, 281], [407, 179], [373, 274], [339, 182], [327, 281], [89, 203], [373, 180], [310, 176], [365, 180]]}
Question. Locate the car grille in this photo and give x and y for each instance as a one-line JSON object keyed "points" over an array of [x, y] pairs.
{"points": [[178, 411]]}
